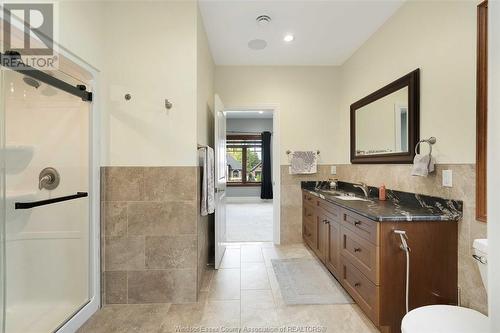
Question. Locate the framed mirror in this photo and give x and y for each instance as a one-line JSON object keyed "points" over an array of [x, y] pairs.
{"points": [[385, 124], [481, 110]]}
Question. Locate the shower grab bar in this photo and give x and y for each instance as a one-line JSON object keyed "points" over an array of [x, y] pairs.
{"points": [[28, 205]]}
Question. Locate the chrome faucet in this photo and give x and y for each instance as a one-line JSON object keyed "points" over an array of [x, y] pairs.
{"points": [[364, 188], [333, 183]]}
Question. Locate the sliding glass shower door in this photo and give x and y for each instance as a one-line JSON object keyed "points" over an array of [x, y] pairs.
{"points": [[45, 148]]}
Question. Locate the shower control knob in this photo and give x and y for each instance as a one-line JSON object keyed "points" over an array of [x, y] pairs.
{"points": [[48, 179]]}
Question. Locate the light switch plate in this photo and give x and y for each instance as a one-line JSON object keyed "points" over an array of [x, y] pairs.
{"points": [[333, 170], [447, 178]]}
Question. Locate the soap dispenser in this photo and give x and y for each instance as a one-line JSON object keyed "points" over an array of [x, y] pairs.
{"points": [[381, 193]]}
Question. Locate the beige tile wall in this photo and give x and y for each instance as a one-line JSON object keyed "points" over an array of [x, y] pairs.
{"points": [[291, 202], [473, 293], [151, 246]]}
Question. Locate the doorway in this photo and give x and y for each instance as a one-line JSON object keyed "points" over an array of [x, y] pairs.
{"points": [[250, 176]]}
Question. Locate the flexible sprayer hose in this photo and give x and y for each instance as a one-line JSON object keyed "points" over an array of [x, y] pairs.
{"points": [[407, 277], [404, 247]]}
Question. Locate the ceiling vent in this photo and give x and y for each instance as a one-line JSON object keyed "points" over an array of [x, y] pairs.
{"points": [[263, 20]]}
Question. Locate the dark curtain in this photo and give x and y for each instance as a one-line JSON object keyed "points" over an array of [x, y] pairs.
{"points": [[266, 189]]}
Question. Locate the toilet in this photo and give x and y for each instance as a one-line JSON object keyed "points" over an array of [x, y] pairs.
{"points": [[449, 318]]}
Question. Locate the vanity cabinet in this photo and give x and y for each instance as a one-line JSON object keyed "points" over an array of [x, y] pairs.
{"points": [[365, 256], [321, 231]]}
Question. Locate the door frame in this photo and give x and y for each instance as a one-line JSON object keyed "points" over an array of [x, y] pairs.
{"points": [[276, 162], [220, 173]]}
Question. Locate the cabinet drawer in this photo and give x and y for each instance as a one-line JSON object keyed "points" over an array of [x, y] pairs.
{"points": [[361, 253], [362, 226], [331, 210], [362, 290]]}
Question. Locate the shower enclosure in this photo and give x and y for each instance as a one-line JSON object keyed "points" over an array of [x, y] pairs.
{"points": [[45, 226]]}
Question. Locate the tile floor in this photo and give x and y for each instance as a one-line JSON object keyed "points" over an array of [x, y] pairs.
{"points": [[249, 221], [242, 294]]}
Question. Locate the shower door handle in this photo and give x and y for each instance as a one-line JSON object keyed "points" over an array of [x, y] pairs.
{"points": [[28, 205]]}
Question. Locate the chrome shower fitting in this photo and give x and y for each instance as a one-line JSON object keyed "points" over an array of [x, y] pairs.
{"points": [[48, 179], [404, 245]]}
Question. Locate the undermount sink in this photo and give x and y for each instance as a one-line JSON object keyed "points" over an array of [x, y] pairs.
{"points": [[350, 198], [331, 192], [342, 195]]}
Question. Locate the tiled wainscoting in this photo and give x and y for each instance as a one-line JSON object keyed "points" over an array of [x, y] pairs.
{"points": [[472, 292], [153, 241]]}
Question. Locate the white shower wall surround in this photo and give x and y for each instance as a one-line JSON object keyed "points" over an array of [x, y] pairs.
{"points": [[47, 247]]}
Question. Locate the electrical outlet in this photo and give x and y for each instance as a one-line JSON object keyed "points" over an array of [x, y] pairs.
{"points": [[447, 178], [333, 170]]}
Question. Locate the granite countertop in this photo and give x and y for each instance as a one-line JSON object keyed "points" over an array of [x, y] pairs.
{"points": [[399, 206]]}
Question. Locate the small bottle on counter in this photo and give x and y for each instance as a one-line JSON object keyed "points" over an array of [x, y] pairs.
{"points": [[381, 193]]}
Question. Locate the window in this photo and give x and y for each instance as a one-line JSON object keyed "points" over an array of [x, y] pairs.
{"points": [[244, 160]]}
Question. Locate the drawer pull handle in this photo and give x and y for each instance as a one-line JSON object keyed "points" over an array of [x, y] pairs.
{"points": [[309, 215], [309, 199], [326, 222], [357, 223], [357, 284], [357, 249]]}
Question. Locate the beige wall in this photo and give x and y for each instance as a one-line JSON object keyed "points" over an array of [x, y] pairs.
{"points": [[80, 26], [439, 38], [150, 50], [307, 97], [205, 71], [494, 164], [151, 54]]}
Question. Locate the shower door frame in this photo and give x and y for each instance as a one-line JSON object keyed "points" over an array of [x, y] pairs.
{"points": [[88, 309]]}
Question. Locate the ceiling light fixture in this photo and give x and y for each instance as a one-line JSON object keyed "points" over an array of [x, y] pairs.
{"points": [[261, 112], [288, 38], [257, 44]]}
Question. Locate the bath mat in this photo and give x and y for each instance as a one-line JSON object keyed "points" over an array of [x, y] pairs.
{"points": [[305, 281]]}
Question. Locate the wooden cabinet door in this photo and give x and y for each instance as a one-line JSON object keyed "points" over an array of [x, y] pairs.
{"points": [[310, 232], [322, 247], [332, 254]]}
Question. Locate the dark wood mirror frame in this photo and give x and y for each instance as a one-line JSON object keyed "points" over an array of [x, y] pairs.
{"points": [[481, 109], [412, 81]]}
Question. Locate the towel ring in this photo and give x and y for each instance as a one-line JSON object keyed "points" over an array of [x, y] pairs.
{"points": [[430, 141]]}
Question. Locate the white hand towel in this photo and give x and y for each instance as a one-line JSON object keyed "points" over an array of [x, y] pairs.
{"points": [[303, 162], [422, 165], [208, 181]]}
